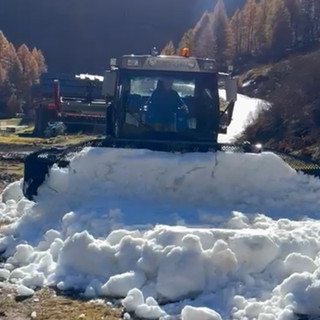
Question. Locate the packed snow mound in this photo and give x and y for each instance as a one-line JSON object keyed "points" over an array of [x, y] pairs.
{"points": [[153, 227], [236, 181]]}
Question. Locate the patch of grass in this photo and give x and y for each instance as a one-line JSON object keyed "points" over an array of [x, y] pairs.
{"points": [[14, 139], [10, 122], [15, 169]]}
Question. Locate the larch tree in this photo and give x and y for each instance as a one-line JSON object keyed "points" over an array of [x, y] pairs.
{"points": [[15, 69], [307, 20], [38, 56], [13, 106], [222, 35], [237, 29], [4, 44], [19, 70], [3, 76], [169, 49], [202, 39], [250, 12], [294, 8], [317, 18], [14, 85], [279, 29], [29, 67], [186, 41], [261, 28]]}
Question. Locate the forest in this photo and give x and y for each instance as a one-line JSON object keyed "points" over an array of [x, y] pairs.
{"points": [[260, 31], [20, 68]]}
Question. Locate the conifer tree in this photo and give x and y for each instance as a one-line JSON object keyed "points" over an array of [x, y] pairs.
{"points": [[317, 19], [237, 29], [13, 106], [222, 35], [261, 28], [250, 18], [169, 49], [202, 38], [294, 8], [309, 20], [30, 69], [15, 76], [279, 34], [38, 56], [19, 70], [4, 44], [186, 41], [3, 76]]}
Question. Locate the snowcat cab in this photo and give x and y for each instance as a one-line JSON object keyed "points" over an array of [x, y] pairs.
{"points": [[141, 108], [154, 102]]}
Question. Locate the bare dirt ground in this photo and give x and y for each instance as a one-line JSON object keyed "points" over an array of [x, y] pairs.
{"points": [[47, 304], [10, 171]]}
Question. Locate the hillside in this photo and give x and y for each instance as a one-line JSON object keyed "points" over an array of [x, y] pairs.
{"points": [[292, 123], [77, 37]]}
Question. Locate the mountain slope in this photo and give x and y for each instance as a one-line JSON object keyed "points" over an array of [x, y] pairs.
{"points": [[292, 124]]}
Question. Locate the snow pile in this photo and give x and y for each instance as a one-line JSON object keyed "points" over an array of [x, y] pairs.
{"points": [[130, 224], [110, 178], [269, 268]]}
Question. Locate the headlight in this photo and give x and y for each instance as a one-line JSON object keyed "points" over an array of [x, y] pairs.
{"points": [[257, 148]]}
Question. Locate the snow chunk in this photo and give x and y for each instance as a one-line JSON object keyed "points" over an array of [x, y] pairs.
{"points": [[133, 299], [116, 236], [22, 256], [146, 311], [35, 280], [23, 291], [121, 284], [4, 274], [13, 192], [134, 302], [296, 262], [191, 313], [181, 273], [84, 254], [126, 316], [254, 251], [238, 221], [301, 292]]}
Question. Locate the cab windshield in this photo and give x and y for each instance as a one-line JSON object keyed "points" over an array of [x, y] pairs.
{"points": [[166, 103]]}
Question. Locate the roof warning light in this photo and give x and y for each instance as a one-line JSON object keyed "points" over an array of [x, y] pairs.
{"points": [[185, 52]]}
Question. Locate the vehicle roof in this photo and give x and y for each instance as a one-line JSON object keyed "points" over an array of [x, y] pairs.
{"points": [[166, 63]]}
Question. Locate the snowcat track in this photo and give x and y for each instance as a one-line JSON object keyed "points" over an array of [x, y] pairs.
{"points": [[299, 164]]}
